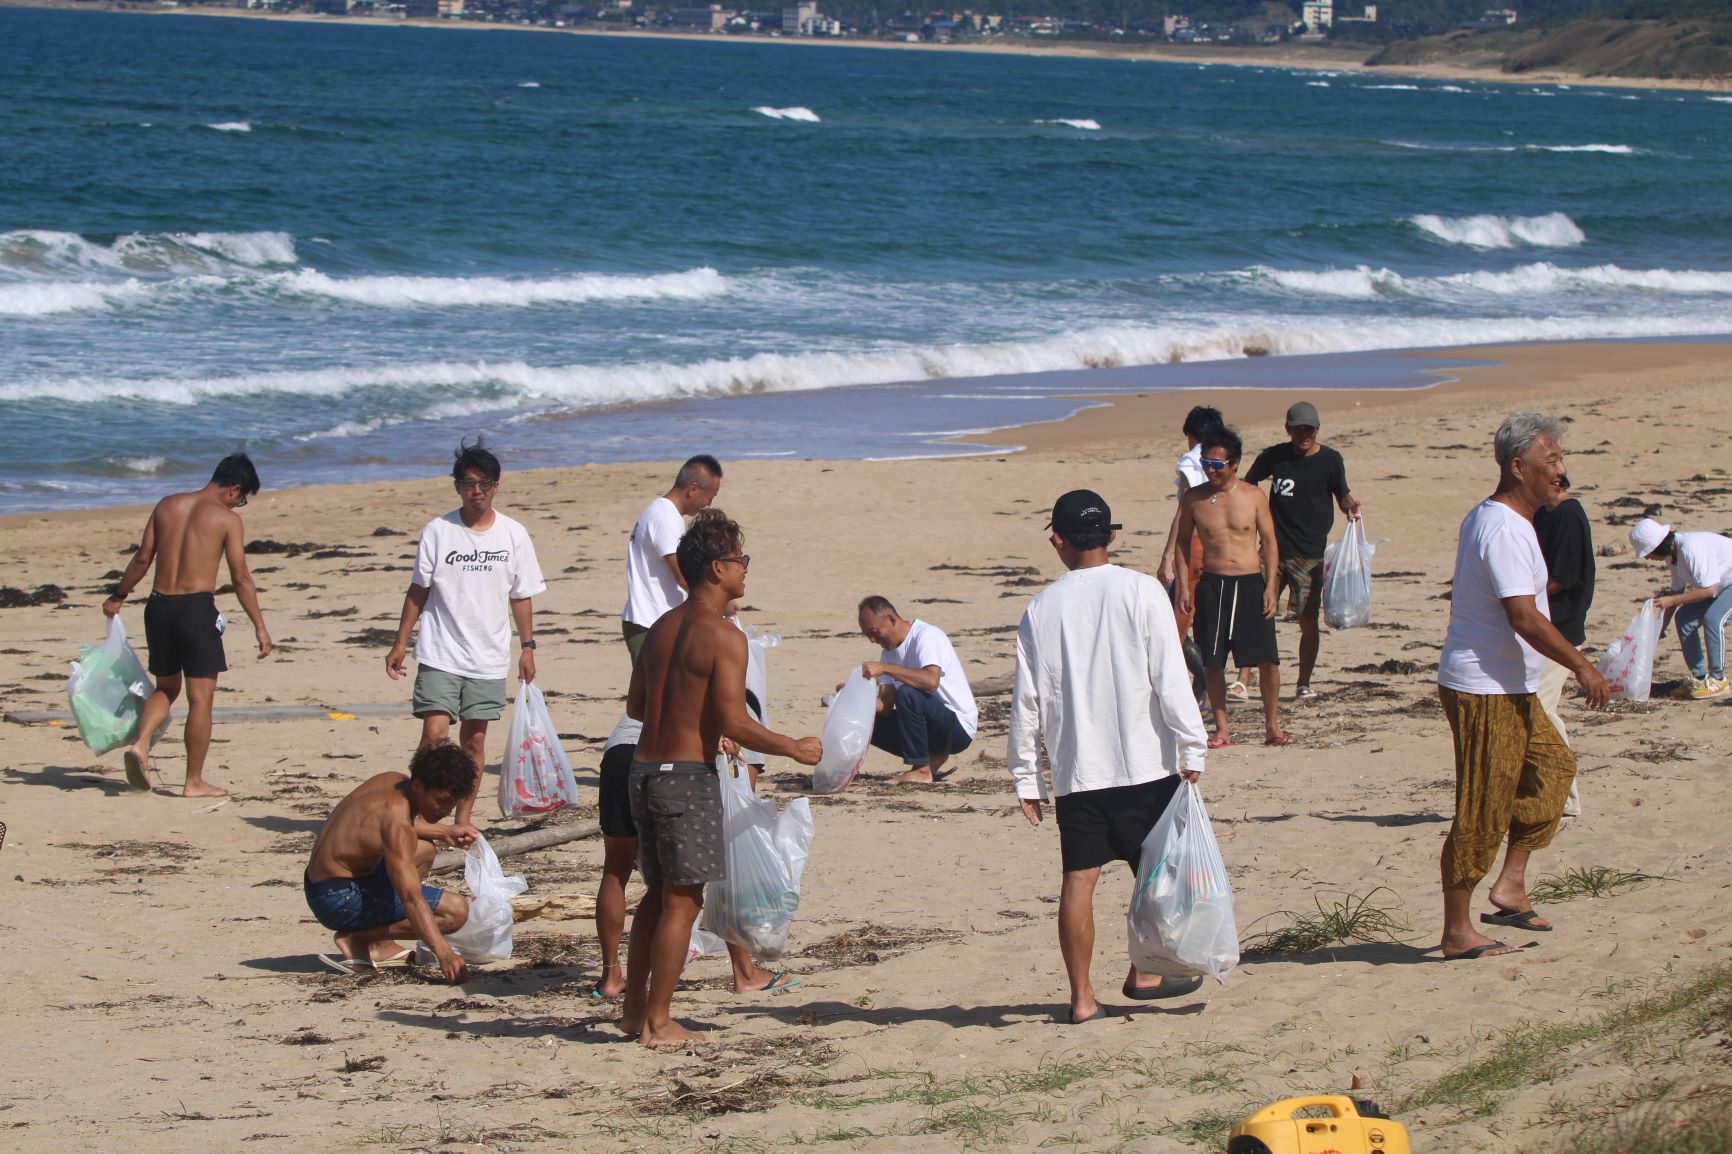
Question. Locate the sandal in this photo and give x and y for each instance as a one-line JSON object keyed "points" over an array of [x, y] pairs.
{"points": [[1238, 692]]}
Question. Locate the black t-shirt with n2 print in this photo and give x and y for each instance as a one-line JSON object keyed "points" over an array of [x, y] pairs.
{"points": [[1302, 498]]}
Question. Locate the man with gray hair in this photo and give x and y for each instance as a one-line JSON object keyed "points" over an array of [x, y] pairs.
{"points": [[1512, 769]]}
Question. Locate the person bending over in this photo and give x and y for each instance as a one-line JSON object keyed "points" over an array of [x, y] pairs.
{"points": [[363, 881], [926, 710]]}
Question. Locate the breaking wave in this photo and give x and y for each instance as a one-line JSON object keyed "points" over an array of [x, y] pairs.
{"points": [[39, 252], [1553, 230], [1084, 125], [231, 126], [795, 113]]}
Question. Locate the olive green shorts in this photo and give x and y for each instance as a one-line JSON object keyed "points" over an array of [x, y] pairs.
{"points": [[462, 698]]}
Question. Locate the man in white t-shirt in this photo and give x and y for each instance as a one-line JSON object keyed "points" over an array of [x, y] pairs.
{"points": [[1101, 684], [926, 710], [1700, 597], [1512, 768], [653, 584], [475, 575]]}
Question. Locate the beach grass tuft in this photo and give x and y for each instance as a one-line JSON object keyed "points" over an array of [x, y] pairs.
{"points": [[1589, 882], [1345, 918]]}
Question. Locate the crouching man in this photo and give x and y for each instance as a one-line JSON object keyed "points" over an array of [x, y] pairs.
{"points": [[364, 879]]}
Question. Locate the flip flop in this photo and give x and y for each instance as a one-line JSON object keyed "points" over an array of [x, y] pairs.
{"points": [[1220, 742], [1480, 951], [1520, 919], [1169, 988], [398, 959], [1100, 1012], [354, 967], [778, 983], [1284, 739], [1238, 692], [136, 776]]}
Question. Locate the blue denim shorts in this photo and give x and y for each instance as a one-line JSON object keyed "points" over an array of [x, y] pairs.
{"points": [[347, 905]]}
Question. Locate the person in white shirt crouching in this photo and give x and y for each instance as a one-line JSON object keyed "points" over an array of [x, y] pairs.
{"points": [[1101, 681]]}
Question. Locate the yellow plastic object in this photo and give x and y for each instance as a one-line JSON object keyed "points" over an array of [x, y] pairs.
{"points": [[335, 716], [1350, 1128]]}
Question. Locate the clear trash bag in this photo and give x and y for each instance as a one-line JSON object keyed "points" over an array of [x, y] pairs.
{"points": [[1347, 578], [486, 935], [766, 853], [106, 689], [534, 773], [1628, 663], [847, 733], [1180, 921]]}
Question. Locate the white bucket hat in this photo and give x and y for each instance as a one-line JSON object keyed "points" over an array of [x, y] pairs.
{"points": [[1647, 535]]}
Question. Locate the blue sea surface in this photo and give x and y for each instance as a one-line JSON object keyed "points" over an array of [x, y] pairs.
{"points": [[344, 247]]}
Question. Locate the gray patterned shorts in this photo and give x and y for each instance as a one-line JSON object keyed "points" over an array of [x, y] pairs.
{"points": [[677, 808]]}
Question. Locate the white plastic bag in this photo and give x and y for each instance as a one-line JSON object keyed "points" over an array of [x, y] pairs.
{"points": [[847, 733], [486, 935], [703, 943], [106, 689], [534, 774], [1347, 578], [767, 854], [1628, 663], [1181, 917]]}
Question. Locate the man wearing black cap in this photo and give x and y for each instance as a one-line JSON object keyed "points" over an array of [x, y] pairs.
{"points": [[1306, 475], [1101, 683]]}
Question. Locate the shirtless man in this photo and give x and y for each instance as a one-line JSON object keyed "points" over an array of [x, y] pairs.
{"points": [[187, 534], [363, 881], [1234, 604], [688, 687]]}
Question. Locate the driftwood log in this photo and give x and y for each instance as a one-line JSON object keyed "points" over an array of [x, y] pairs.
{"points": [[551, 835]]}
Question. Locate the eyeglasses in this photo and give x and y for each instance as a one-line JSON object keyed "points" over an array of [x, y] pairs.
{"points": [[241, 504], [1213, 465], [477, 486], [744, 560]]}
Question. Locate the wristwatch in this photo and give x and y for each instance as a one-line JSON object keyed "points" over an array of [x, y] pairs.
{"points": [[530, 644]]}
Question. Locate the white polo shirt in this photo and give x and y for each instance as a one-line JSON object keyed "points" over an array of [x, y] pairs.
{"points": [[927, 645]]}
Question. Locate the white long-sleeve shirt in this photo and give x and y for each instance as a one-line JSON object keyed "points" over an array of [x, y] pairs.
{"points": [[1101, 680]]}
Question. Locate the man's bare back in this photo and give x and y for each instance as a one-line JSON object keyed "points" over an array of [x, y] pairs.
{"points": [[192, 532], [357, 832], [691, 660], [1230, 521]]}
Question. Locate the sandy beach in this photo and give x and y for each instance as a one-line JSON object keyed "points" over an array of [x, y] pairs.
{"points": [[165, 993], [1305, 57]]}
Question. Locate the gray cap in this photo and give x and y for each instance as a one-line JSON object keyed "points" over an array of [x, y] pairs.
{"points": [[1303, 413]]}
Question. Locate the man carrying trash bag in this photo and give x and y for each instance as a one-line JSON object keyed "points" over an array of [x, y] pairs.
{"points": [[1101, 681]]}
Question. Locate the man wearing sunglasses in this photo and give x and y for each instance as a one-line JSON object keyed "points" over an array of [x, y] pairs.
{"points": [[1234, 605], [475, 574]]}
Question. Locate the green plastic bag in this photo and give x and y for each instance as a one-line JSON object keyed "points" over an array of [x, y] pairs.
{"points": [[107, 689]]}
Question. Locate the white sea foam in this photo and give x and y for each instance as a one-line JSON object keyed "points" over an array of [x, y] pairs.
{"points": [[1615, 149], [1721, 99], [40, 252], [1084, 125], [231, 126], [457, 292], [1389, 87], [1317, 84], [51, 298], [139, 464], [795, 113], [1553, 230], [529, 84], [1529, 280]]}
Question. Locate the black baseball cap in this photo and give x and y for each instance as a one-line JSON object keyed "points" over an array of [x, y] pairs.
{"points": [[1081, 511]]}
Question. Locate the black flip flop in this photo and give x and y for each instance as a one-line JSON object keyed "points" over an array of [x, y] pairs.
{"points": [[1169, 988], [1100, 1012], [1480, 951], [1520, 919]]}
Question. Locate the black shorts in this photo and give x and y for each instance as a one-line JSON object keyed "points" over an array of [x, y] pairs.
{"points": [[1097, 826], [616, 793], [677, 808], [181, 632], [1229, 620]]}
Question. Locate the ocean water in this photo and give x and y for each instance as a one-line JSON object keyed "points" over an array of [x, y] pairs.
{"points": [[342, 248]]}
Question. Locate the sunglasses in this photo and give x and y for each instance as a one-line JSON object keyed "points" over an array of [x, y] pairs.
{"points": [[1213, 465], [477, 486], [744, 560]]}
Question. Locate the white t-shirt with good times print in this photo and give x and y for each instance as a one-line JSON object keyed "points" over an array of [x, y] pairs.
{"points": [[473, 578]]}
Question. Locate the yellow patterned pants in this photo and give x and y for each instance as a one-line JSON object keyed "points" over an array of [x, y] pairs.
{"points": [[1512, 774]]}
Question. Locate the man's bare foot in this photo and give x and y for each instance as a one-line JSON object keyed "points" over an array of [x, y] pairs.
{"points": [[1277, 737], [611, 984], [389, 953], [137, 763], [773, 983], [1220, 741], [202, 788], [349, 948], [917, 775], [672, 1034], [1514, 908], [629, 1027]]}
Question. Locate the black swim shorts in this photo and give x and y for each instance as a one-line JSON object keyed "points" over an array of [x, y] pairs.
{"points": [[616, 793], [677, 808], [1229, 621], [181, 631], [1096, 826]]}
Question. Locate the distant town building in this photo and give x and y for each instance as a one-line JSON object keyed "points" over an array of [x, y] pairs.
{"points": [[801, 18], [1370, 17], [1500, 16], [712, 19], [1318, 14], [451, 9]]}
